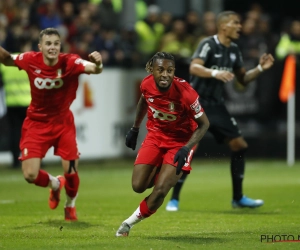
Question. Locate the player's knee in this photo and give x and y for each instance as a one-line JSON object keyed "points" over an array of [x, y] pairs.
{"points": [[138, 187], [239, 146], [30, 177]]}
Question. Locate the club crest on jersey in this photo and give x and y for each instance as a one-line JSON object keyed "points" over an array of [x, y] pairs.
{"points": [[232, 57], [171, 106], [25, 152], [59, 73]]}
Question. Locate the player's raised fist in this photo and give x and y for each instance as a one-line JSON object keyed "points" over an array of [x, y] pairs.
{"points": [[95, 57]]}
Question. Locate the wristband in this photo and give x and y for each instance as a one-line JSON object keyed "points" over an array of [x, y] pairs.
{"points": [[214, 73], [260, 68], [99, 66]]}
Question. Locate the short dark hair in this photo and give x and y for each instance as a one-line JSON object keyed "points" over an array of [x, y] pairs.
{"points": [[224, 15], [48, 31], [159, 55]]}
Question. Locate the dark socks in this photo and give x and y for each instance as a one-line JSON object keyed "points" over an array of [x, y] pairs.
{"points": [[178, 186], [237, 168]]}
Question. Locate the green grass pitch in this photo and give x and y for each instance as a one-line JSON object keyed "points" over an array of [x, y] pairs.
{"points": [[205, 220]]}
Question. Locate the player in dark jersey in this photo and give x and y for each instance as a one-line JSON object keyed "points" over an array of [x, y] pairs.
{"points": [[215, 62], [176, 122], [53, 80]]}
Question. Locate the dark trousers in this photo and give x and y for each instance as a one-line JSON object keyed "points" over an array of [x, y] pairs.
{"points": [[15, 117]]}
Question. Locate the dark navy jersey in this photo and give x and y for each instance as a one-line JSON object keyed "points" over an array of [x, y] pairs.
{"points": [[215, 56]]}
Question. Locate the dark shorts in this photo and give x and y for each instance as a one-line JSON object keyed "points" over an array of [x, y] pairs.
{"points": [[222, 124]]}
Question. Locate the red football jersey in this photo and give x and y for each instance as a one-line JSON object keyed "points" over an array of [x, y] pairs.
{"points": [[53, 89], [172, 113]]}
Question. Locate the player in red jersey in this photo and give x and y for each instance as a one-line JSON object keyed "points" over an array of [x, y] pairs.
{"points": [[53, 80], [176, 123]]}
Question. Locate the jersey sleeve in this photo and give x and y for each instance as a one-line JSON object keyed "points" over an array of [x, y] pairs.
{"points": [[76, 64], [193, 105], [22, 60], [203, 50], [239, 63], [143, 88]]}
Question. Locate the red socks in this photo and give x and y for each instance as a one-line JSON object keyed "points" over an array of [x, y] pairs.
{"points": [[42, 179], [145, 212], [72, 184]]}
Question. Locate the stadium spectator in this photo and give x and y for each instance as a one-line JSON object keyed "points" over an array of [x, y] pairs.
{"points": [[180, 44], [108, 45], [193, 23], [149, 32], [17, 100], [53, 80], [67, 15], [209, 27], [166, 19], [289, 42], [251, 42], [215, 62], [176, 123], [127, 46], [109, 18], [49, 17]]}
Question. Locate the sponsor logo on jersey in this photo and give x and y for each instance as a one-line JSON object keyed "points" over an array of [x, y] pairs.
{"points": [[196, 106], [221, 68], [47, 83], [78, 61], [218, 55], [81, 61], [150, 99], [38, 71], [161, 115]]}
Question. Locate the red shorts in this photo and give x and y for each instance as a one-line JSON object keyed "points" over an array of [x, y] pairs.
{"points": [[156, 150], [37, 137]]}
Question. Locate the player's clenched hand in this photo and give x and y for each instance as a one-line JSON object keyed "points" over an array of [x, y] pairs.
{"points": [[95, 57], [266, 61], [131, 138], [181, 157], [224, 76]]}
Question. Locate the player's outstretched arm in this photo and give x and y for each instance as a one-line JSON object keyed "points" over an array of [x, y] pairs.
{"points": [[5, 57], [197, 69], [266, 61], [95, 65]]}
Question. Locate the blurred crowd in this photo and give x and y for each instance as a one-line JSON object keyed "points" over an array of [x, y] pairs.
{"points": [[88, 25]]}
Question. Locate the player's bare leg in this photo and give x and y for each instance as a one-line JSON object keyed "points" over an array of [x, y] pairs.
{"points": [[165, 181], [33, 174]]}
